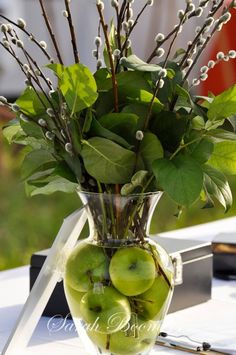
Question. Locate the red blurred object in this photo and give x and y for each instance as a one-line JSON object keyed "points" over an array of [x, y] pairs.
{"points": [[223, 75]]}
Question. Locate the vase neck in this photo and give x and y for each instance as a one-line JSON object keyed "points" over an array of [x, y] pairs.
{"points": [[119, 219]]}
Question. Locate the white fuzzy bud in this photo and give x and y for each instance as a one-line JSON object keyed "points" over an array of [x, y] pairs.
{"points": [[203, 3], [125, 27], [50, 135], [203, 76], [68, 148], [100, 4], [99, 64], [42, 122], [50, 112], [130, 12], [209, 21], [20, 43], [180, 14], [116, 53], [211, 64], [160, 52], [199, 12], [220, 55], [26, 67], [6, 44], [3, 28], [3, 100], [130, 1], [9, 27], [37, 72], [43, 44], [234, 4], [191, 7], [201, 41], [226, 58], [232, 54], [204, 69], [219, 27], [27, 82], [128, 43], [161, 83], [98, 41], [189, 62], [24, 118], [150, 2], [131, 23], [159, 37], [206, 29], [95, 53], [21, 23], [15, 108], [162, 73], [65, 13], [195, 82], [51, 92], [225, 18], [139, 135], [114, 3]]}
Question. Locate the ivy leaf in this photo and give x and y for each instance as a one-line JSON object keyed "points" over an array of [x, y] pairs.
{"points": [[181, 178], [107, 161], [150, 149], [135, 63], [224, 157], [49, 186], [217, 186], [223, 105], [77, 85], [36, 160]]}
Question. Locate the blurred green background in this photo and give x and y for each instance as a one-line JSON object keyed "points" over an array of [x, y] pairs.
{"points": [[30, 224]]}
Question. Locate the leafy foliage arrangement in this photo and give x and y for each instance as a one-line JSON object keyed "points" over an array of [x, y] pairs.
{"points": [[133, 125]]}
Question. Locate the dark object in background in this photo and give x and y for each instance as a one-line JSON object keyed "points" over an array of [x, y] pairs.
{"points": [[224, 260], [193, 261]]}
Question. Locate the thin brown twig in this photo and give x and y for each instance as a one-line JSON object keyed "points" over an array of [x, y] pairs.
{"points": [[49, 27], [72, 32], [109, 51]]}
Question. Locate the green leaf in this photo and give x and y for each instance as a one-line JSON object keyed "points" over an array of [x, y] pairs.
{"points": [[11, 131], [150, 149], [179, 53], [31, 129], [107, 161], [138, 180], [56, 184], [30, 102], [77, 85], [135, 63], [170, 128], [36, 160], [224, 157], [217, 186], [122, 124], [98, 130], [222, 134], [181, 178], [201, 150], [223, 105]]}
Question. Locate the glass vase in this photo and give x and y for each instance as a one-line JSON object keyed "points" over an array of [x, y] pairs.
{"points": [[118, 282]]}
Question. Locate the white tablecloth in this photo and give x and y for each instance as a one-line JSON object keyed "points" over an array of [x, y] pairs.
{"points": [[213, 321]]}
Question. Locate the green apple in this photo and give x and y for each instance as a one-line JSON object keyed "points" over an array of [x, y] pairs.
{"points": [[152, 303], [135, 338], [109, 310], [87, 265], [73, 298], [132, 270]]}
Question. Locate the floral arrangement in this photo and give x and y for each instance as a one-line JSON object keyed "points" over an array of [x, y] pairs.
{"points": [[133, 125]]}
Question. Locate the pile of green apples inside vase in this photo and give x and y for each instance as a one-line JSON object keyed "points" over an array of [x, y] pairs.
{"points": [[118, 282]]}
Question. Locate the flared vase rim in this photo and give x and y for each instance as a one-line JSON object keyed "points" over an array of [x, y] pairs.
{"points": [[137, 195]]}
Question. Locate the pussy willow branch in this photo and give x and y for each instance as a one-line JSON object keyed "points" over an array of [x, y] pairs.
{"points": [[194, 42], [50, 31], [72, 32], [30, 35], [109, 51]]}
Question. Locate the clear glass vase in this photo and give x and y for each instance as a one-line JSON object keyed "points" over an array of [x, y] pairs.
{"points": [[118, 282]]}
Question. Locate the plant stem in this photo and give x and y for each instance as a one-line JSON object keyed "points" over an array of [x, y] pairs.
{"points": [[72, 32], [109, 51], [49, 27], [185, 145]]}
